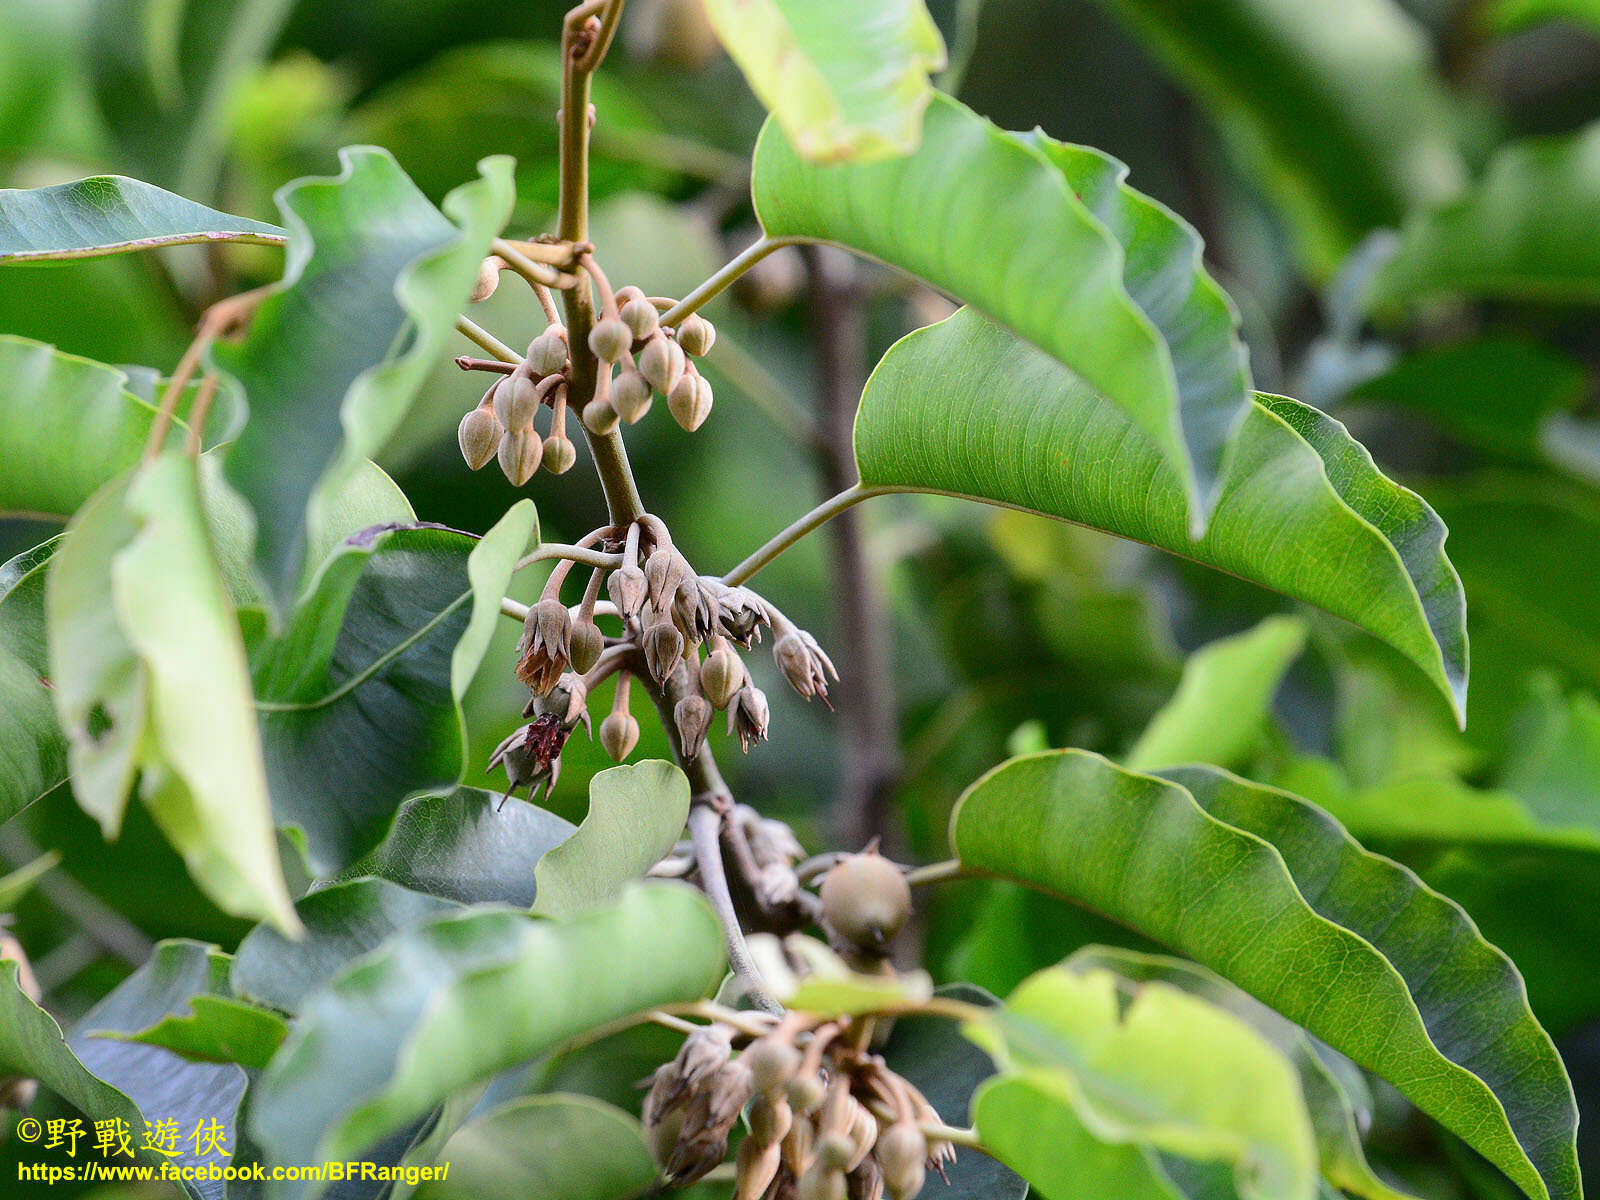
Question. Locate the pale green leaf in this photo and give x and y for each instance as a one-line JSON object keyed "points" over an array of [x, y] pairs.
{"points": [[110, 214], [217, 1029], [1223, 699], [964, 408], [636, 815], [846, 80], [1278, 899]]}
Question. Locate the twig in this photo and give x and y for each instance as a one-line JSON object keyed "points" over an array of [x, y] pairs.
{"points": [[724, 276], [781, 541], [936, 872], [69, 897], [705, 825], [486, 340]]}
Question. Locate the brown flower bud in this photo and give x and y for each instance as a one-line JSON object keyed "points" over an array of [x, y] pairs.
{"points": [[797, 1144], [721, 676], [661, 577], [627, 293], [821, 1182], [663, 648], [692, 716], [805, 1093], [547, 353], [630, 395], [610, 339], [627, 589], [479, 434], [689, 401], [640, 316], [516, 401], [741, 615], [772, 1062], [804, 664], [585, 646], [748, 716], [488, 279], [696, 335], [863, 1133], [691, 610], [559, 454], [600, 415], [661, 362], [531, 756], [520, 452], [619, 734], [903, 1152], [866, 1181], [770, 1117], [754, 1166], [544, 649], [865, 900]]}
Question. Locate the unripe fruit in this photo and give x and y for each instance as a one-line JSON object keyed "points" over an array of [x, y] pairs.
{"points": [[866, 900], [520, 452], [640, 317], [609, 339], [599, 415], [584, 646], [903, 1152], [479, 434], [559, 454], [696, 335], [516, 401], [772, 1064], [619, 734], [547, 353], [630, 395]]}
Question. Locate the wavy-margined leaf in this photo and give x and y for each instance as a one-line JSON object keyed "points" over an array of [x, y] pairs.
{"points": [[372, 266], [155, 683], [636, 814], [217, 1029], [1274, 896], [1333, 1111], [845, 79], [472, 846], [1169, 1074], [111, 214], [1356, 128], [342, 922], [360, 697], [963, 408], [33, 750], [1522, 231], [994, 219], [462, 997], [1223, 698], [547, 1147]]}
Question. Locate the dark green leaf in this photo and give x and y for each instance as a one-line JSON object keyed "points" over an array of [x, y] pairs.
{"points": [[963, 408], [110, 214], [33, 750], [1350, 945]]}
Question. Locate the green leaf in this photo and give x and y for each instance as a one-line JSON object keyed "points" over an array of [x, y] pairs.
{"points": [[342, 922], [1511, 16], [217, 1029], [1348, 944], [636, 815], [846, 81], [391, 1037], [1523, 231], [1169, 1072], [472, 846], [33, 750], [1342, 1160], [549, 1147], [1223, 699], [1061, 278], [1356, 127], [110, 214], [963, 408], [372, 266], [361, 696]]}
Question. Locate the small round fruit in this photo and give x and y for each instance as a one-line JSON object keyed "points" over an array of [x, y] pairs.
{"points": [[866, 900]]}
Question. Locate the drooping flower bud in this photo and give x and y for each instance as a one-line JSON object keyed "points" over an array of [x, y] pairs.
{"points": [[821, 1182], [663, 648], [640, 316], [691, 610], [516, 401], [619, 734], [600, 415], [585, 646], [689, 401], [804, 664], [772, 1062], [721, 676], [754, 1167], [519, 454], [631, 395], [545, 648], [547, 353], [748, 716], [488, 279], [559, 454], [479, 434], [696, 335], [692, 716], [610, 339], [627, 589], [661, 362]]}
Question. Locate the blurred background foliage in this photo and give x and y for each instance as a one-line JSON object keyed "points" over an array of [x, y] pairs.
{"points": [[1404, 199]]}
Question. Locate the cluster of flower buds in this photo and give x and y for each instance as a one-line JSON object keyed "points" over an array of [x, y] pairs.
{"points": [[650, 358], [18, 1091], [502, 425], [827, 1120], [678, 627]]}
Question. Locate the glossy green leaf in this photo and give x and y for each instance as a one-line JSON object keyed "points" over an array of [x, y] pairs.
{"points": [[1333, 1111], [33, 750], [462, 997], [1522, 231], [372, 267], [1223, 699], [1168, 1072], [1356, 127], [1346, 943], [1100, 300], [217, 1029], [846, 81], [110, 214], [360, 696], [963, 408], [549, 1147], [342, 922], [636, 815], [472, 846]]}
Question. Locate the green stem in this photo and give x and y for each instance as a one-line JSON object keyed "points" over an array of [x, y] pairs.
{"points": [[831, 507], [486, 341], [935, 872], [725, 275]]}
